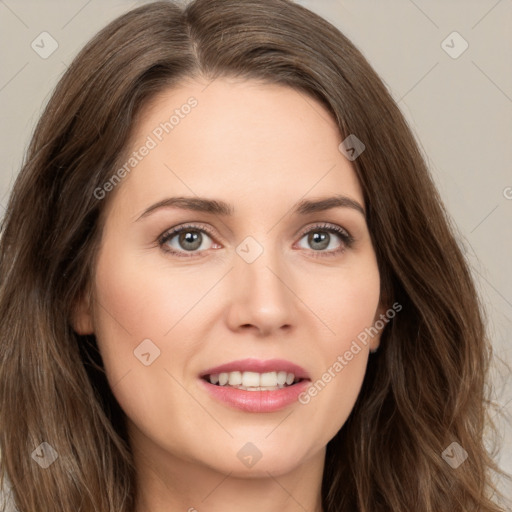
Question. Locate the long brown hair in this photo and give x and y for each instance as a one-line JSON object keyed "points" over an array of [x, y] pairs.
{"points": [[424, 389]]}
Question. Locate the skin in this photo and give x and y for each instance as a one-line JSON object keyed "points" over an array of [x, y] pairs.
{"points": [[261, 148]]}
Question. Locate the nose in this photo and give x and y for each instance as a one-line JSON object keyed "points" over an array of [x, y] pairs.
{"points": [[261, 296]]}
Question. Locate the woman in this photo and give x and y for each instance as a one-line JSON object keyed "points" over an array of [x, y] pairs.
{"points": [[252, 369]]}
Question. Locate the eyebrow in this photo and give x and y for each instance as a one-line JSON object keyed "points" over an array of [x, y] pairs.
{"points": [[219, 207]]}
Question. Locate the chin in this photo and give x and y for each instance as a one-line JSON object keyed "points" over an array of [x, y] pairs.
{"points": [[259, 458]]}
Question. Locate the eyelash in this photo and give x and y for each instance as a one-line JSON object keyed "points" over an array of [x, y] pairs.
{"points": [[345, 236]]}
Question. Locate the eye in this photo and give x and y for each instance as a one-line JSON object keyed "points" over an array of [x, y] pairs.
{"points": [[189, 238], [192, 239], [320, 237]]}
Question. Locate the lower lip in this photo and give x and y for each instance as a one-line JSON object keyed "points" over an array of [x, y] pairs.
{"points": [[257, 401]]}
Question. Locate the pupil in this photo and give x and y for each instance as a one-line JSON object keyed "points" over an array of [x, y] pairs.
{"points": [[190, 237], [321, 238]]}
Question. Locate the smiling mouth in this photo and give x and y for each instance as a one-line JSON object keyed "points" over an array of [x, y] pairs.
{"points": [[253, 381]]}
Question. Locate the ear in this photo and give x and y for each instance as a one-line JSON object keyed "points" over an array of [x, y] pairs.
{"points": [[81, 316], [380, 320]]}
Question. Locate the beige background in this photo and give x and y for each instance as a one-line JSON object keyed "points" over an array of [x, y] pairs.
{"points": [[459, 108]]}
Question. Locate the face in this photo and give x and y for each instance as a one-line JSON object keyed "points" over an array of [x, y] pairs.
{"points": [[269, 281]]}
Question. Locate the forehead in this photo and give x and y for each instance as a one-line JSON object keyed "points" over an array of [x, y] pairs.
{"points": [[242, 140]]}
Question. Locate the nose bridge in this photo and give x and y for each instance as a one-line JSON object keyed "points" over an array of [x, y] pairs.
{"points": [[259, 262], [262, 283]]}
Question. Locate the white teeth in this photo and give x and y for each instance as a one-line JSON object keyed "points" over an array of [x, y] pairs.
{"points": [[253, 381], [268, 379], [281, 378], [235, 378]]}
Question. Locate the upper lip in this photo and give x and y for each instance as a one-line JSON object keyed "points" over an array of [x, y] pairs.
{"points": [[259, 366]]}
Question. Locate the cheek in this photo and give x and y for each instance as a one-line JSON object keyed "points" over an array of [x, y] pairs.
{"points": [[344, 301], [141, 297], [347, 304], [146, 308], [137, 321]]}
